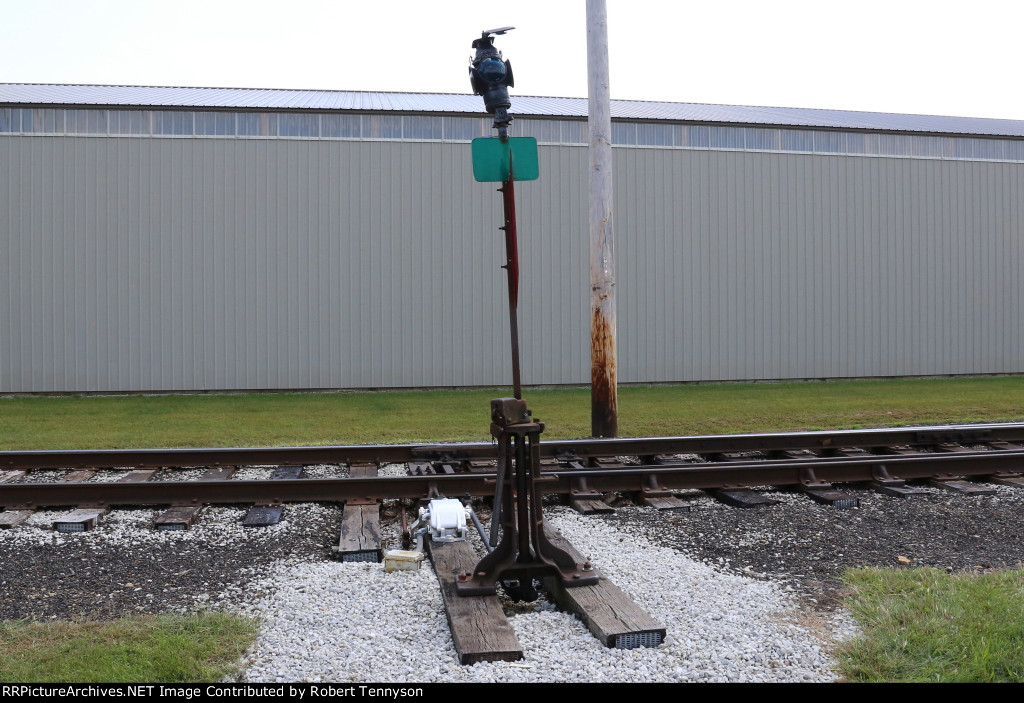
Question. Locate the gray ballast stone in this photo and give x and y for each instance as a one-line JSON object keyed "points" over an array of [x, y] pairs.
{"points": [[329, 621], [745, 594]]}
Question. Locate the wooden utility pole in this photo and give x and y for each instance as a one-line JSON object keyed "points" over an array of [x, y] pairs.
{"points": [[604, 393]]}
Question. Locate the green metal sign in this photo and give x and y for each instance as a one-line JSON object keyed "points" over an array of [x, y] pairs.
{"points": [[491, 158]]}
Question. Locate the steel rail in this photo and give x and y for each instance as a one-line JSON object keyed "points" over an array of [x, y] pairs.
{"points": [[207, 457], [583, 448], [790, 472], [776, 441]]}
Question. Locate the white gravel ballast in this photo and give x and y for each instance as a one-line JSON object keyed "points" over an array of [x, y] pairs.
{"points": [[325, 621]]}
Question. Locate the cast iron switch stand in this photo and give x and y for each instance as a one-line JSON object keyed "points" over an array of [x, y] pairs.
{"points": [[524, 552]]}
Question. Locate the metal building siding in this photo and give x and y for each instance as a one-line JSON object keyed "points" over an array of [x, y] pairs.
{"points": [[138, 264], [752, 265], [189, 263], [553, 240]]}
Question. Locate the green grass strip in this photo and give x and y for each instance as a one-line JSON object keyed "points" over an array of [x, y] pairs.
{"points": [[167, 649], [924, 625], [283, 419]]}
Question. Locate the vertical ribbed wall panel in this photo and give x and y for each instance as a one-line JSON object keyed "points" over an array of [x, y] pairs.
{"points": [[186, 264], [794, 266], [554, 246]]}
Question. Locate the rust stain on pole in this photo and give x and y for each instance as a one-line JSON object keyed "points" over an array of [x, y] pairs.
{"points": [[604, 399]]}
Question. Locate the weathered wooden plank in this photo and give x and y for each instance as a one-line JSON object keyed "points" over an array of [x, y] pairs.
{"points": [[741, 497], [663, 503], [360, 523], [480, 630], [360, 534], [851, 451], [177, 517], [9, 476], [13, 518], [420, 468], [262, 516], [79, 520], [587, 506], [86, 518], [949, 447], [481, 467], [1005, 446], [608, 613], [137, 476], [963, 486], [582, 498], [220, 473], [181, 517], [827, 495], [364, 470], [265, 514], [282, 473], [1007, 480], [896, 488]]}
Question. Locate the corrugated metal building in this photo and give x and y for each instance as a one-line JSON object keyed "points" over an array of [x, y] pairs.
{"points": [[196, 238]]}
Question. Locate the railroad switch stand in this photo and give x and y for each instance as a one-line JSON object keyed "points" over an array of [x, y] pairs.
{"points": [[524, 552]]}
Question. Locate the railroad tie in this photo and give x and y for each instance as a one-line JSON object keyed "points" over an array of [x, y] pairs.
{"points": [[480, 629], [582, 498], [181, 516], [12, 518], [897, 488], [742, 497], [270, 514], [1007, 479], [586, 501], [81, 519], [823, 492], [87, 517], [828, 495], [1005, 446], [886, 484], [962, 486], [654, 495], [610, 615], [360, 524]]}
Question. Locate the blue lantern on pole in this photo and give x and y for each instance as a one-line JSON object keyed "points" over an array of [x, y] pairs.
{"points": [[491, 77]]}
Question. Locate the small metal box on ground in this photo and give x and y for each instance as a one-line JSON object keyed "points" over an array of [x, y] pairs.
{"points": [[402, 560]]}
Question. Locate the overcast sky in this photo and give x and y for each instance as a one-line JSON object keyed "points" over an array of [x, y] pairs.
{"points": [[893, 56]]}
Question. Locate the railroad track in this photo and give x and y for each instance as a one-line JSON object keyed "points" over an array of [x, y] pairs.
{"points": [[586, 472], [958, 457]]}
